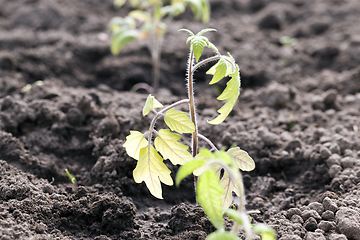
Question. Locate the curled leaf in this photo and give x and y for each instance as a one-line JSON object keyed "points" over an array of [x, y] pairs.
{"points": [[230, 94], [151, 103], [121, 37]]}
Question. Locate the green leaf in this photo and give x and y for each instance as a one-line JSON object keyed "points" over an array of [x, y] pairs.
{"points": [[267, 233], [223, 70], [119, 3], [205, 31], [227, 183], [151, 169], [120, 38], [196, 7], [179, 121], [134, 142], [208, 193], [173, 10], [187, 169], [230, 94], [188, 31], [134, 3], [220, 71], [205, 155], [222, 235], [205, 11], [243, 219], [140, 15], [151, 103], [223, 156], [115, 23], [169, 147], [198, 44], [234, 215], [242, 159]]}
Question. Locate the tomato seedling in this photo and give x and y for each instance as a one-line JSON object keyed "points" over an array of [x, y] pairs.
{"points": [[218, 171]]}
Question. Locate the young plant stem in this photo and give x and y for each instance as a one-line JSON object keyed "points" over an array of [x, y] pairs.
{"points": [[192, 103], [155, 60], [159, 114], [192, 109], [213, 147]]}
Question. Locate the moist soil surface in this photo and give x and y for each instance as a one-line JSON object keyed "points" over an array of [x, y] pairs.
{"points": [[298, 116]]}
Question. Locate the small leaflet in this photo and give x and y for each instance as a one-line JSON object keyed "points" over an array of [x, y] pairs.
{"points": [[242, 159], [121, 37], [169, 147], [151, 103], [134, 142], [152, 170], [229, 187], [179, 121]]}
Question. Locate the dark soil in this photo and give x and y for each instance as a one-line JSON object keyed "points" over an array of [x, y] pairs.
{"points": [[298, 116]]}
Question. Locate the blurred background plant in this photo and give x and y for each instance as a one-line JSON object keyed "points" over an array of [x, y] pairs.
{"points": [[149, 20]]}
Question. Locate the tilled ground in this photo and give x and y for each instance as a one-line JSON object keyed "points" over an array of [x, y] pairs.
{"points": [[297, 116]]}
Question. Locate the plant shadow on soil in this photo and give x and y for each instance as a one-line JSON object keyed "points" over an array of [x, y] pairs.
{"points": [[297, 116]]}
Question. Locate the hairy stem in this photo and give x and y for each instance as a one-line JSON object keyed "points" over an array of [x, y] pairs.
{"points": [[159, 114], [192, 103], [210, 59], [190, 83], [205, 61]]}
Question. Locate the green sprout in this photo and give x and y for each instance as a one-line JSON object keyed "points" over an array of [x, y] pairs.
{"points": [[29, 86], [73, 179], [288, 41], [149, 20]]}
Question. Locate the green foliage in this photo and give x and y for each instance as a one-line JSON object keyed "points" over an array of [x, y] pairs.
{"points": [[199, 42], [222, 235], [230, 94], [151, 104], [218, 171], [167, 144], [179, 121], [242, 159], [266, 232], [151, 169], [208, 195], [134, 142]]}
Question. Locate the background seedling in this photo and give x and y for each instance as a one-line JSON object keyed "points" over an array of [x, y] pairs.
{"points": [[149, 21]]}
